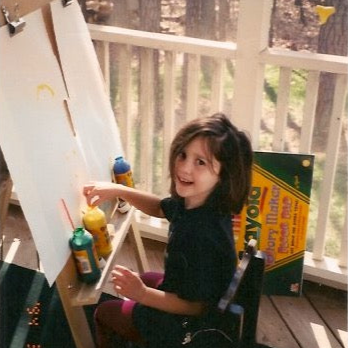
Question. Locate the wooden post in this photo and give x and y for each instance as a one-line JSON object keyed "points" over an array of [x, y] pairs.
{"points": [[5, 195], [252, 38], [66, 285], [135, 239], [146, 113]]}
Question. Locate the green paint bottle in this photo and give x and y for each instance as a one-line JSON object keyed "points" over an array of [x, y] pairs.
{"points": [[85, 255]]}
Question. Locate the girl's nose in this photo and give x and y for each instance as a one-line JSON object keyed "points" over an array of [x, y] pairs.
{"points": [[185, 166]]}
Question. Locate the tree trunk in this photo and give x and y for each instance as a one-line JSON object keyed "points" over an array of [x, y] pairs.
{"points": [[120, 17], [201, 22], [223, 20], [150, 20], [207, 30], [193, 17], [271, 28], [332, 40]]}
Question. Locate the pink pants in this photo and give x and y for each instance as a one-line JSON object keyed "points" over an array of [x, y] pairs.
{"points": [[115, 316]]}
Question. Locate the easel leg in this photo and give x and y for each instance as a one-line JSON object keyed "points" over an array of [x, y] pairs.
{"points": [[5, 196], [135, 239], [75, 314]]}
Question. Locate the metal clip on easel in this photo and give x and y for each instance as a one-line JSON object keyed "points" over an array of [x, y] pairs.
{"points": [[16, 25]]}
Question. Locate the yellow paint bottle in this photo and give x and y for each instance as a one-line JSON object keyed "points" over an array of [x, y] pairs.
{"points": [[95, 222]]}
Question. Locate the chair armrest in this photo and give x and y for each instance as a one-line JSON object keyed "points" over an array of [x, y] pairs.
{"points": [[239, 275], [245, 291]]}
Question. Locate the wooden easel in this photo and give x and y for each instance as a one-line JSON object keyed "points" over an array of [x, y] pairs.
{"points": [[74, 295], [5, 196]]}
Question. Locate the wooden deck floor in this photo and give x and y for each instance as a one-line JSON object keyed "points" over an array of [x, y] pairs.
{"points": [[317, 319]]}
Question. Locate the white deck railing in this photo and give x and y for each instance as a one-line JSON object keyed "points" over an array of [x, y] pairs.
{"points": [[134, 108]]}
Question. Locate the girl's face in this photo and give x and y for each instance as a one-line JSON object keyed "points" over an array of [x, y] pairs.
{"points": [[196, 173]]}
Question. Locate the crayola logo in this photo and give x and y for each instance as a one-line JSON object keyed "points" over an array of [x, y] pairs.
{"points": [[253, 220]]}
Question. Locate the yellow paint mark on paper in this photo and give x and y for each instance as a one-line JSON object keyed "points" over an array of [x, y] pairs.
{"points": [[43, 91]]}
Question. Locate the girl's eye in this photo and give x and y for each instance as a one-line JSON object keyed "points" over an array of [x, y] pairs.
{"points": [[200, 162], [182, 155]]}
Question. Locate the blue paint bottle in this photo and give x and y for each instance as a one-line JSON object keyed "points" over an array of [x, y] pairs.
{"points": [[123, 175], [123, 172]]}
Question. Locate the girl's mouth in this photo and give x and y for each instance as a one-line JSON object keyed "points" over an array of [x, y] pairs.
{"points": [[184, 181]]}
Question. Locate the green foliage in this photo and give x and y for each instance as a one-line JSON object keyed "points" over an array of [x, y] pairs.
{"points": [[298, 85], [339, 195]]}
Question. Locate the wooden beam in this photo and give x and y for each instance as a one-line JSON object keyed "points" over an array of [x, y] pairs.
{"points": [[165, 42], [66, 285]]}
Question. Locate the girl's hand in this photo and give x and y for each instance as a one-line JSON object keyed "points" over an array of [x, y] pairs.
{"points": [[98, 192], [128, 283]]}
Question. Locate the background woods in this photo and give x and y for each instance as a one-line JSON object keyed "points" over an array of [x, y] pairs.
{"points": [[295, 25]]}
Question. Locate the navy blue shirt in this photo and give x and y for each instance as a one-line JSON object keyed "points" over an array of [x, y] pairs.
{"points": [[200, 256], [199, 263]]}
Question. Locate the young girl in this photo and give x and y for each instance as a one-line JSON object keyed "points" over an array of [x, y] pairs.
{"points": [[210, 170]]}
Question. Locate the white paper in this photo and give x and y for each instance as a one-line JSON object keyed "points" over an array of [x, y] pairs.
{"points": [[50, 152], [90, 106]]}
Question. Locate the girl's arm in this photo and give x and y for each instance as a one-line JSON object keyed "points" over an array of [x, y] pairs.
{"points": [[170, 302], [129, 284], [98, 192]]}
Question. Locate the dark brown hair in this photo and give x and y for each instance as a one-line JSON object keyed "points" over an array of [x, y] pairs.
{"points": [[231, 148]]}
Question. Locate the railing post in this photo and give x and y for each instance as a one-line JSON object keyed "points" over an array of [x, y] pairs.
{"points": [[252, 38], [125, 90], [309, 111], [217, 85], [344, 241], [103, 54], [146, 113], [169, 114], [282, 109], [335, 132], [193, 71]]}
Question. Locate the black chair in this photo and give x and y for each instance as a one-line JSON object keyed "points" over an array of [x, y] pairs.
{"points": [[242, 299], [233, 324]]}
